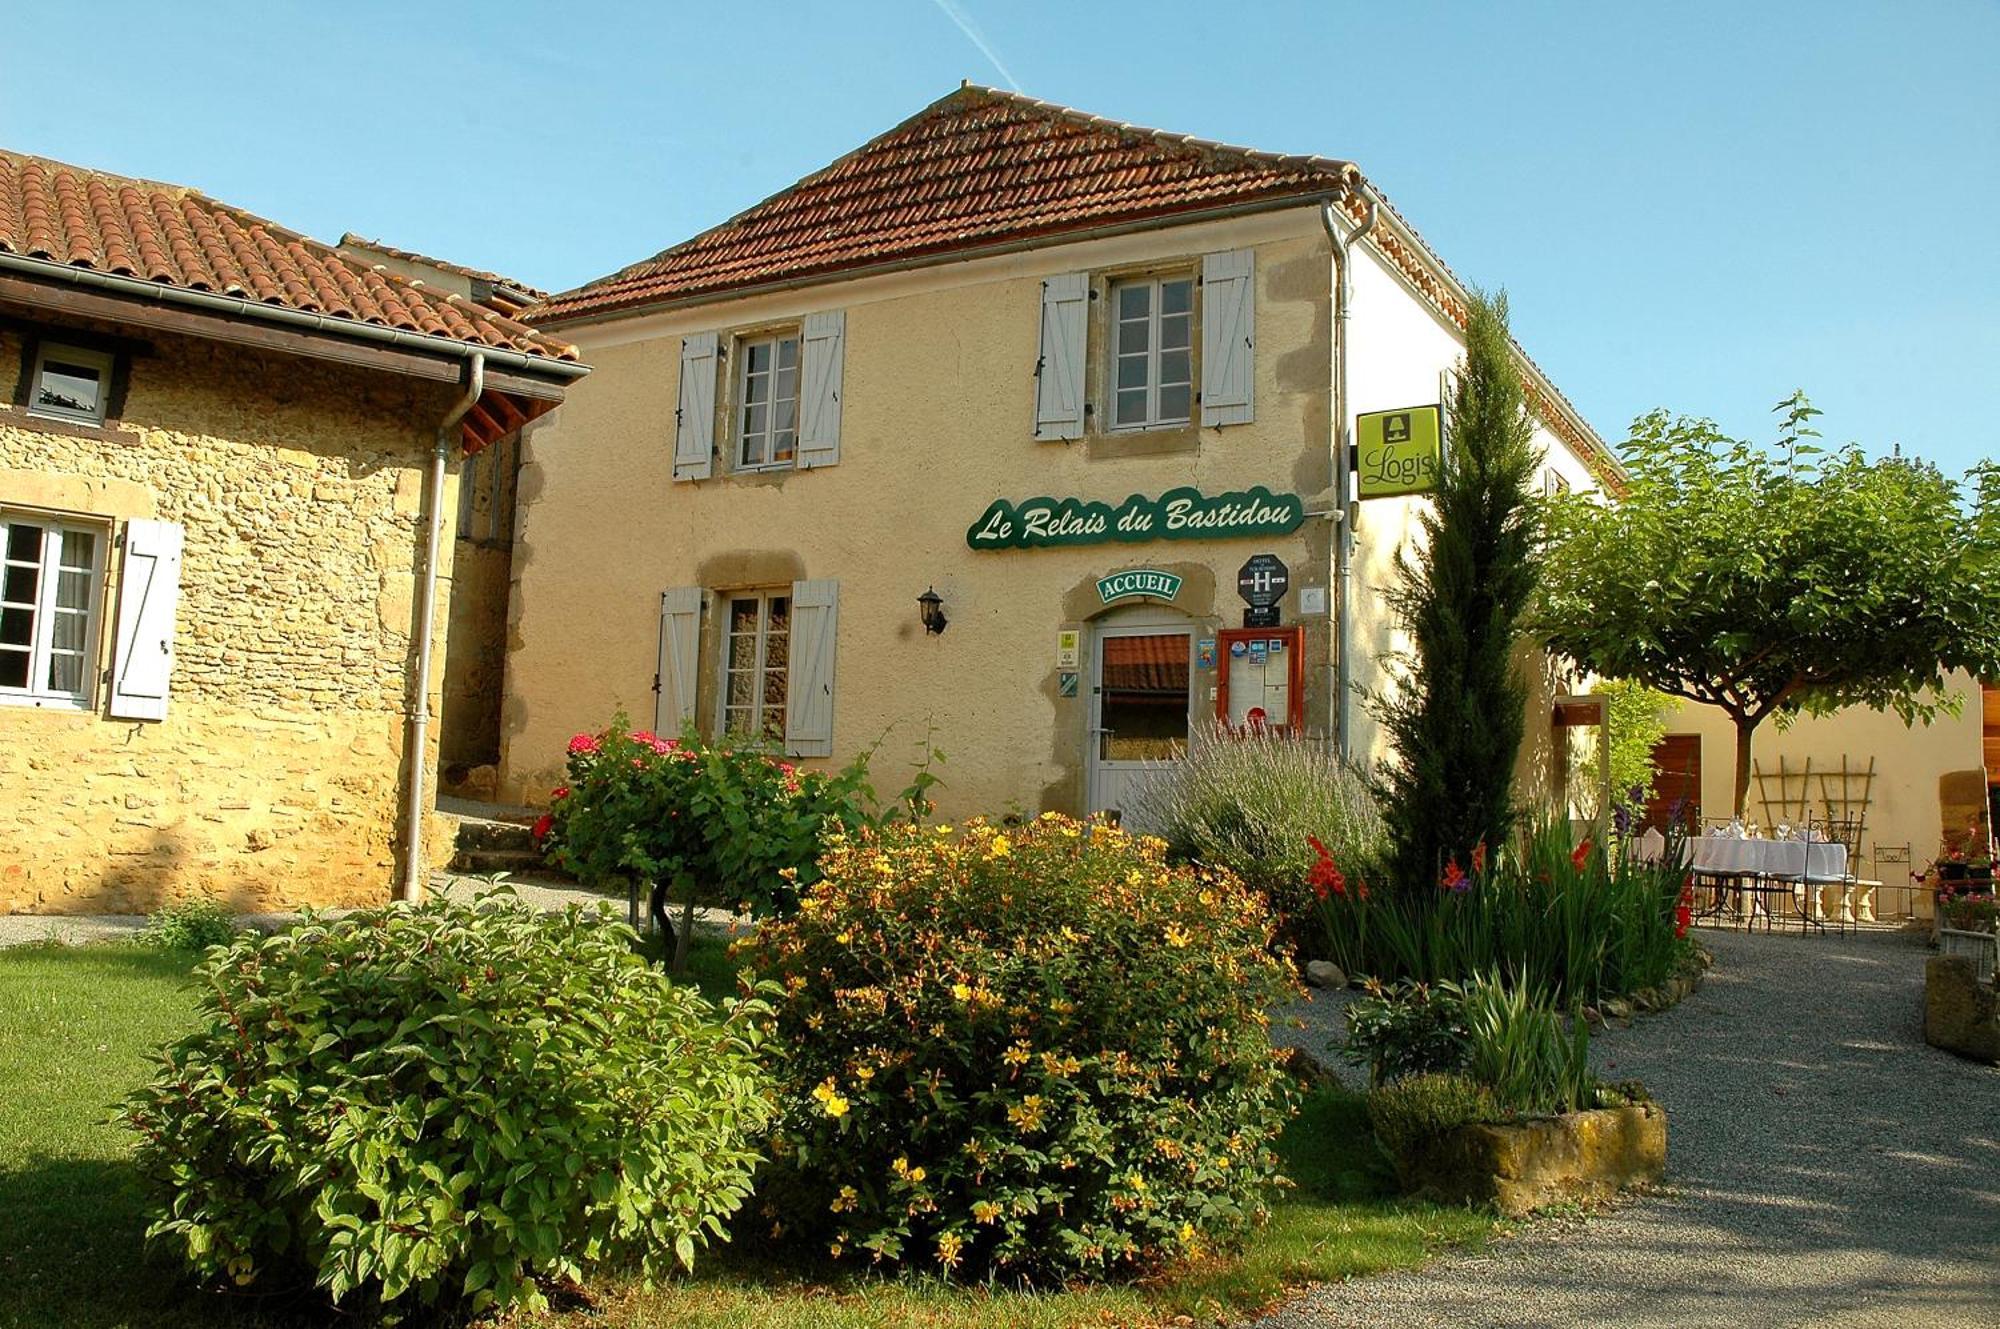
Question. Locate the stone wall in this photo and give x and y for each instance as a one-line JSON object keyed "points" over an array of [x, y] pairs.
{"points": [[274, 779]]}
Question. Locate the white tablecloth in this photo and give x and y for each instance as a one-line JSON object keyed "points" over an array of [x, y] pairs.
{"points": [[1817, 861]]}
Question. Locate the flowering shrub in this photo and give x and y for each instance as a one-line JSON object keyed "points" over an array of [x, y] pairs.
{"points": [[1033, 1053], [1561, 917], [725, 823], [1269, 809], [447, 1103]]}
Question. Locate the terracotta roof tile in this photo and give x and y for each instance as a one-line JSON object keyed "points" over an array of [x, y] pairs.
{"points": [[975, 168], [178, 237]]}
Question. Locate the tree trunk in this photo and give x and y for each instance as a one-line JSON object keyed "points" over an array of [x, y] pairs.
{"points": [[684, 933], [1745, 729]]}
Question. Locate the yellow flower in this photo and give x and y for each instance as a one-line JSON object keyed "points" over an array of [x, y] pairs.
{"points": [[962, 991], [916, 1175], [848, 1198], [1187, 1234], [942, 829], [1134, 877], [984, 1211], [1136, 1181], [1027, 1114], [844, 937], [949, 1244], [831, 1101], [836, 1106], [1017, 1055], [1176, 935], [1000, 847]]}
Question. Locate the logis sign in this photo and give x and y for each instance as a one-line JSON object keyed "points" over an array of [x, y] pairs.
{"points": [[1151, 582], [1397, 452], [1178, 514]]}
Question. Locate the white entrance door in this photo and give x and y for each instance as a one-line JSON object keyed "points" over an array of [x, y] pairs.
{"points": [[1139, 701]]}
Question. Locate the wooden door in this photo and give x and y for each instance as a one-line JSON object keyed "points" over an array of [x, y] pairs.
{"points": [[1676, 783]]}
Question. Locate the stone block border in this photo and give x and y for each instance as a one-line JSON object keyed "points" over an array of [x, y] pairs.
{"points": [[1519, 1167]]}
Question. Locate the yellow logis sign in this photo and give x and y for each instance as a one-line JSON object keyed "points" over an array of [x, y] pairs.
{"points": [[1397, 452]]}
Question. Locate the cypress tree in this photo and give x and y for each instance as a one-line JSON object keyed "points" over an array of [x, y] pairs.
{"points": [[1457, 712]]}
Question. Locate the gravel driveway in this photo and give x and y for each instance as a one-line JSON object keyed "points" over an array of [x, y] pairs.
{"points": [[1826, 1168]]}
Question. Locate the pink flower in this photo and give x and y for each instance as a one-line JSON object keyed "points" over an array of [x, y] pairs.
{"points": [[648, 738], [582, 744]]}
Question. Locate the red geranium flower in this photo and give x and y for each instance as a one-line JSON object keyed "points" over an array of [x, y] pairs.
{"points": [[559, 793], [581, 744], [543, 825]]}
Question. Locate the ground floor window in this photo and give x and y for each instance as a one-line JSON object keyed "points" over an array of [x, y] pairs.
{"points": [[50, 574], [757, 664]]}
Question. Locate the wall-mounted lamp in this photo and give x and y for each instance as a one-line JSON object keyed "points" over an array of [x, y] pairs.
{"points": [[930, 608]]}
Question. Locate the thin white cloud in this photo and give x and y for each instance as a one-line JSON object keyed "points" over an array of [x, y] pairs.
{"points": [[956, 13]]}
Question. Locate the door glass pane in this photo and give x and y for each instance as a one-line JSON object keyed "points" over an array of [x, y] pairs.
{"points": [[13, 668], [20, 585], [24, 543], [77, 549], [17, 626], [66, 673], [1144, 698]]}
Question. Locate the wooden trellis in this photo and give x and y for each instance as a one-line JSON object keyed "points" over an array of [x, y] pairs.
{"points": [[1787, 793]]}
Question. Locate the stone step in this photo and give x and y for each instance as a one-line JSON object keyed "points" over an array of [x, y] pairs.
{"points": [[484, 859], [480, 833]]}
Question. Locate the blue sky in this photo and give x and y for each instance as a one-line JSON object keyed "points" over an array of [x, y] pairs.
{"points": [[1693, 205]]}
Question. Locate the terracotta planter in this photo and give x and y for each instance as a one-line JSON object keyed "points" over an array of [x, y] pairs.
{"points": [[1521, 1167]]}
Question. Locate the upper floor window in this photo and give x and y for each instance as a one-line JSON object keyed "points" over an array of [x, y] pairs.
{"points": [[767, 397], [70, 383], [50, 572], [756, 665], [1152, 352]]}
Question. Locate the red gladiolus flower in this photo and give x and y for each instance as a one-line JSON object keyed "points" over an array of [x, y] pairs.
{"points": [[1580, 855], [1454, 879], [1325, 876], [543, 825], [1479, 858], [1360, 890], [1683, 916]]}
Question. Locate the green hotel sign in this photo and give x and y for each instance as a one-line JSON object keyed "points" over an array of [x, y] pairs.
{"points": [[1178, 514], [1397, 452], [1137, 582]]}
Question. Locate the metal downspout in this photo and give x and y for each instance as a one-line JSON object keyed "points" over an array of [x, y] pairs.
{"points": [[420, 700], [1343, 300]]}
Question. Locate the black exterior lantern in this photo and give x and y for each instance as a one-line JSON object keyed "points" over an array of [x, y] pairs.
{"points": [[930, 608]]}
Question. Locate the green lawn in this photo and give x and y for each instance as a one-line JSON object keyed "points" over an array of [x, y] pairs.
{"points": [[76, 1023]]}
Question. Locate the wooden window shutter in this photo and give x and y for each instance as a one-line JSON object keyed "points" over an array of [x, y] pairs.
{"points": [[1059, 370], [822, 346], [809, 698], [694, 414], [680, 654], [1228, 337], [149, 591]]}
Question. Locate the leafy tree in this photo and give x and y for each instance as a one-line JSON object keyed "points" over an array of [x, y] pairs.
{"points": [[1638, 721], [1770, 583], [1457, 713]]}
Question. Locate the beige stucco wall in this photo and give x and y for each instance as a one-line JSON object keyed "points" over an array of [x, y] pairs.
{"points": [[273, 780], [1903, 805], [938, 408]]}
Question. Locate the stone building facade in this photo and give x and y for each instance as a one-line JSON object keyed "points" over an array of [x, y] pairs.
{"points": [[214, 529]]}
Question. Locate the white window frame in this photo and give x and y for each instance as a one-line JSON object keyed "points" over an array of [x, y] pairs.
{"points": [[763, 709], [101, 361], [42, 640], [1112, 356], [740, 406]]}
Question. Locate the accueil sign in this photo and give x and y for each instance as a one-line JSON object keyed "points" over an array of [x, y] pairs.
{"points": [[1397, 452], [1178, 514], [1137, 582]]}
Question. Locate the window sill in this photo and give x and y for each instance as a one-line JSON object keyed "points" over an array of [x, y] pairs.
{"points": [[109, 432], [1166, 441], [27, 701]]}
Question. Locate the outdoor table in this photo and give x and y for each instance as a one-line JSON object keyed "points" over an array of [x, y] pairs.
{"points": [[1812, 865]]}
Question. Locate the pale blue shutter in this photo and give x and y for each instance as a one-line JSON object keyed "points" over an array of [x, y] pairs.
{"points": [[809, 695], [149, 590], [1059, 370], [1228, 337], [694, 413], [822, 347], [680, 646]]}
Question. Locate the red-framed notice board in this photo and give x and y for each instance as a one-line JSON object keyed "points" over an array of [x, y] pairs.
{"points": [[1261, 679]]}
